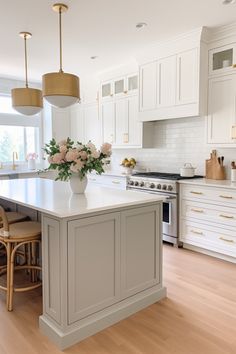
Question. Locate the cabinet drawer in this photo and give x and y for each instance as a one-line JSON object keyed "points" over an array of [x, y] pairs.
{"points": [[108, 181], [219, 195], [208, 212], [209, 237]]}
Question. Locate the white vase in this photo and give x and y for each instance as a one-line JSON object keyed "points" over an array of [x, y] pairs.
{"points": [[77, 185], [31, 164]]}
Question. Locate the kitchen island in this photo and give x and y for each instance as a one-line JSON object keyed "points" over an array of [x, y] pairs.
{"points": [[101, 254]]}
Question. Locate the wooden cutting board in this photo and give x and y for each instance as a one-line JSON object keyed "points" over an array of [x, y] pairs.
{"points": [[214, 170]]}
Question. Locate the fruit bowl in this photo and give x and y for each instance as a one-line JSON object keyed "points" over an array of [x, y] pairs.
{"points": [[128, 165]]}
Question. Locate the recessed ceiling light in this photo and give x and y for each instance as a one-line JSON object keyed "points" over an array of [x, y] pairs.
{"points": [[93, 57], [141, 25], [228, 2]]}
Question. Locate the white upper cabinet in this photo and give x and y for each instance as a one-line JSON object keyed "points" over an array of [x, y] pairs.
{"points": [[174, 84], [187, 77], [148, 87], [108, 122], [166, 81], [221, 110], [119, 87], [222, 59]]}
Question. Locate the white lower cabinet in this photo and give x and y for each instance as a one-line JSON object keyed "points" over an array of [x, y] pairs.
{"points": [[208, 218]]}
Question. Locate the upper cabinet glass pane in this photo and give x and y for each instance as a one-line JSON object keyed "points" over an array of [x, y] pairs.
{"points": [[119, 86], [106, 90], [133, 83], [223, 59]]}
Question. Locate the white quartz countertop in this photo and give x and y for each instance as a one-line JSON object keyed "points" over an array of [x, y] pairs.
{"points": [[209, 182], [56, 198], [16, 172]]}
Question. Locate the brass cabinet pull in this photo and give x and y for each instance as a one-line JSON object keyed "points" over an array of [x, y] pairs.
{"points": [[92, 179], [115, 182], [226, 196], [197, 210], [197, 232], [125, 138], [193, 192], [226, 240], [226, 216], [125, 92], [234, 66]]}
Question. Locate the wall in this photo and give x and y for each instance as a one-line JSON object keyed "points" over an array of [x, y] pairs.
{"points": [[177, 141]]}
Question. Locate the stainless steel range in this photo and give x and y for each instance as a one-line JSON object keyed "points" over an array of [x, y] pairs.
{"points": [[164, 184]]}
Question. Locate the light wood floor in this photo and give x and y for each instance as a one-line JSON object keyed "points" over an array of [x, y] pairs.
{"points": [[197, 317]]}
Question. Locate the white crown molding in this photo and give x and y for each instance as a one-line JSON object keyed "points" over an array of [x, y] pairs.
{"points": [[222, 32]]}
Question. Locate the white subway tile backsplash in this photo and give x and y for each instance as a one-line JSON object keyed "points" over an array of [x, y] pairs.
{"points": [[176, 142]]}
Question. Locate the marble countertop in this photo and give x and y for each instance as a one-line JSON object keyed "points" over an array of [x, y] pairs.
{"points": [[56, 198], [16, 172], [209, 183]]}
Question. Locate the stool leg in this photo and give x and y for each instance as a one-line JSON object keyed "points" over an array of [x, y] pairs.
{"points": [[33, 262], [9, 246], [11, 290]]}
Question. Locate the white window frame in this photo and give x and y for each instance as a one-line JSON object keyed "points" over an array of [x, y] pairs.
{"points": [[20, 120]]}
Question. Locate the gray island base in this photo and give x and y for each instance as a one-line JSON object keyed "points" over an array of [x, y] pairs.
{"points": [[101, 254]]}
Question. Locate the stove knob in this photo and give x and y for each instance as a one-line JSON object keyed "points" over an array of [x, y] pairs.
{"points": [[141, 184], [159, 186], [131, 183], [136, 183], [170, 188], [164, 187], [152, 185]]}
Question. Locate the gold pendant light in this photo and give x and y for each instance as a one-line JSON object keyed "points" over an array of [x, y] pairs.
{"points": [[27, 101], [61, 89]]}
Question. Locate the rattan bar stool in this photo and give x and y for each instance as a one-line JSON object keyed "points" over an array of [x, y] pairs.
{"points": [[12, 237]]}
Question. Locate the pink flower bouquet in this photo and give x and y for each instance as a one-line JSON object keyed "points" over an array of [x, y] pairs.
{"points": [[68, 157], [31, 156]]}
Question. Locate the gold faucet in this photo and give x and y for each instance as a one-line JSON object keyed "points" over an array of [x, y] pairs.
{"points": [[14, 158]]}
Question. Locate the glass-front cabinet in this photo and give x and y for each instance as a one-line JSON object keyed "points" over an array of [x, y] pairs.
{"points": [[222, 59], [121, 86]]}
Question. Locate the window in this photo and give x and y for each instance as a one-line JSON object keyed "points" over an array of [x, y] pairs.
{"points": [[17, 132]]}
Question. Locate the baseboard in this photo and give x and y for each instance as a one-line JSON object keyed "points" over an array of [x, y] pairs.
{"points": [[209, 253], [101, 320]]}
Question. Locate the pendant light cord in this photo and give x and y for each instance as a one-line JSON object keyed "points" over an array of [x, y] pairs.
{"points": [[26, 63], [60, 35]]}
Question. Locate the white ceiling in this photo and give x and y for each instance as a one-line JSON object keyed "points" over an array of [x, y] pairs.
{"points": [[105, 28]]}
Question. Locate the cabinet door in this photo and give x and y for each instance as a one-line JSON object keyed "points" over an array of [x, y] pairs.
{"points": [[108, 122], [121, 121], [140, 249], [92, 127], [135, 127], [221, 60], [221, 109], [132, 83], [119, 86], [148, 86], [107, 90], [187, 77], [77, 123], [166, 81], [93, 264]]}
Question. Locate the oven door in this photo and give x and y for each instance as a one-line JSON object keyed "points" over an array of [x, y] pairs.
{"points": [[169, 218]]}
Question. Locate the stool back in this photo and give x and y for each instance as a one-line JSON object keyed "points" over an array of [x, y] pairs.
{"points": [[4, 221]]}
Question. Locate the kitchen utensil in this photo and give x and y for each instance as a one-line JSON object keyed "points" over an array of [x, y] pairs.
{"points": [[187, 171], [222, 160]]}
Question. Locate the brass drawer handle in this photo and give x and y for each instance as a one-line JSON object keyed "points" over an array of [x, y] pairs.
{"points": [[234, 66], [92, 179], [226, 240], [193, 192], [226, 196], [125, 92], [115, 182], [125, 138], [197, 210], [226, 216], [197, 232]]}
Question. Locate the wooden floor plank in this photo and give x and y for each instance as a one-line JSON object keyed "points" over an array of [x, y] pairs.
{"points": [[197, 317]]}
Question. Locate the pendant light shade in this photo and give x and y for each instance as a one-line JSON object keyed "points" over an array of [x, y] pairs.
{"points": [[25, 100], [61, 89]]}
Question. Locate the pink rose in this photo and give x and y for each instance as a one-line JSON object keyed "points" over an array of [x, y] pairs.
{"points": [[62, 142], [77, 166], [72, 155], [106, 149], [63, 148], [95, 154], [91, 146], [83, 155], [58, 158], [50, 160]]}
